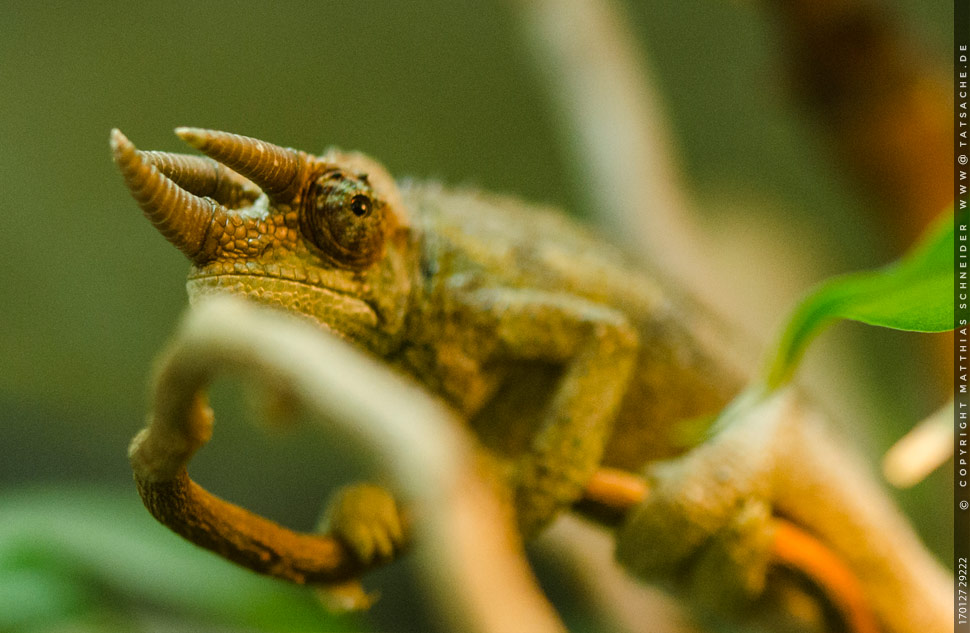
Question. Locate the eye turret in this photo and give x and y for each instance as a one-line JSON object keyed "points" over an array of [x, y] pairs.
{"points": [[344, 220]]}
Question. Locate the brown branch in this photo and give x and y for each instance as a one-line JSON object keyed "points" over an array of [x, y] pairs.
{"points": [[612, 493]]}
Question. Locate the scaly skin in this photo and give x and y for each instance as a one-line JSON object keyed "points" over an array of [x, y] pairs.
{"points": [[559, 354]]}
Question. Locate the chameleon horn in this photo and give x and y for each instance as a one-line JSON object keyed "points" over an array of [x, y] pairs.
{"points": [[181, 217], [277, 170], [204, 177]]}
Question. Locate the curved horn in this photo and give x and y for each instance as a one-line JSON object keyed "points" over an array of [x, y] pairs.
{"points": [[277, 170], [181, 217], [204, 177]]}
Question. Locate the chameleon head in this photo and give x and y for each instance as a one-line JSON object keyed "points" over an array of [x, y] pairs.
{"points": [[327, 237]]}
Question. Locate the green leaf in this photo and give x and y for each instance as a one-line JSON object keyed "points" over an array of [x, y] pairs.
{"points": [[913, 294]]}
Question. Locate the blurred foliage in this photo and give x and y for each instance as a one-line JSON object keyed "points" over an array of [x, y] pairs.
{"points": [[437, 88], [91, 559]]}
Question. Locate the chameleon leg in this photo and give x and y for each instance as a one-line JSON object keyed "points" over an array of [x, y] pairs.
{"points": [[597, 347]]}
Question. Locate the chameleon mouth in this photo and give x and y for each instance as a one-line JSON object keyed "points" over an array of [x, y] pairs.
{"points": [[334, 309]]}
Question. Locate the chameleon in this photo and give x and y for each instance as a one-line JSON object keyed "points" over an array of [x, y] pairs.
{"points": [[557, 350]]}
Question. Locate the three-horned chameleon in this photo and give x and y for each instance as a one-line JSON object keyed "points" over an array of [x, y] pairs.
{"points": [[560, 354]]}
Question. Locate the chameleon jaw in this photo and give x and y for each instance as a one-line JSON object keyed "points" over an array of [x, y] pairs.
{"points": [[341, 313]]}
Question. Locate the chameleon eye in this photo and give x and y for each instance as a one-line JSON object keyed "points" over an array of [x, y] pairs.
{"points": [[343, 221], [361, 205]]}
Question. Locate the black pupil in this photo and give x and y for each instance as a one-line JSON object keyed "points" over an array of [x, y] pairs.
{"points": [[360, 205]]}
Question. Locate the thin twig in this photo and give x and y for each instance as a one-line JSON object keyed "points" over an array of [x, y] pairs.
{"points": [[921, 451]]}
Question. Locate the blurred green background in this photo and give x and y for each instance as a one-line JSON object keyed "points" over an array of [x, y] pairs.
{"points": [[435, 89]]}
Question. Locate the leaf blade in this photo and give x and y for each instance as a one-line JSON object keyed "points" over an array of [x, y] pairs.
{"points": [[915, 294]]}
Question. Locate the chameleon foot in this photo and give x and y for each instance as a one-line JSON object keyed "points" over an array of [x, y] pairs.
{"points": [[706, 526], [366, 518], [730, 569]]}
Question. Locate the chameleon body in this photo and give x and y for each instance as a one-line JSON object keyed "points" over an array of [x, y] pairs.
{"points": [[561, 356], [559, 352]]}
